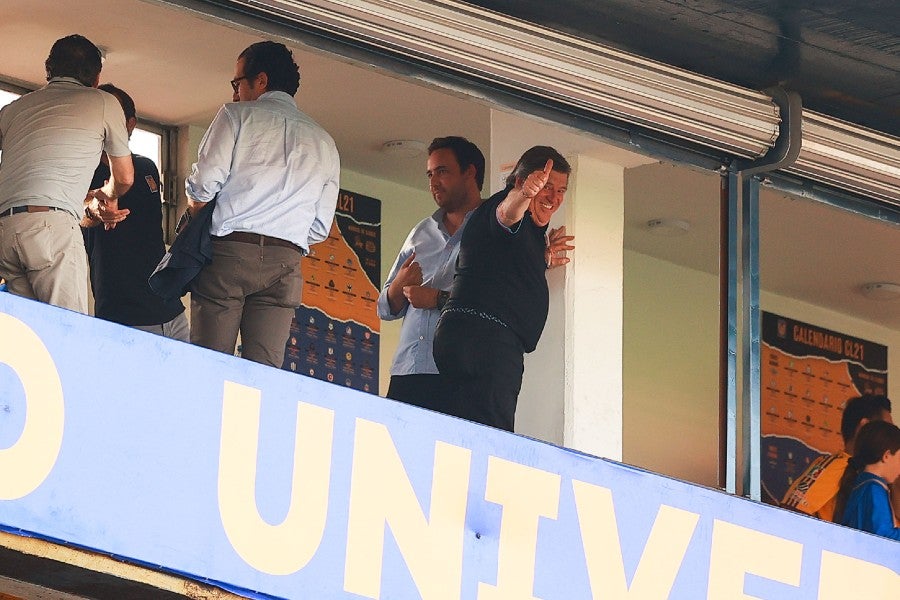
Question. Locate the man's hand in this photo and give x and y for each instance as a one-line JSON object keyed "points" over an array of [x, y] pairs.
{"points": [[194, 206], [105, 209], [421, 296], [555, 254], [511, 210], [409, 274], [536, 180]]}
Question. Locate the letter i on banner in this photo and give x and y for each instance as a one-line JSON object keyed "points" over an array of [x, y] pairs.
{"points": [[526, 494]]}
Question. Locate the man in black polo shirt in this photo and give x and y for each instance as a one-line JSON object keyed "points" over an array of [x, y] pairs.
{"points": [[499, 301], [121, 259]]}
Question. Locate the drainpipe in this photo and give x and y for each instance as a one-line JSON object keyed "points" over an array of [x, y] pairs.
{"points": [[744, 175]]}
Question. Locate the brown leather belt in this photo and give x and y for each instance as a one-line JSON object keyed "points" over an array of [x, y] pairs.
{"points": [[245, 237], [29, 209]]}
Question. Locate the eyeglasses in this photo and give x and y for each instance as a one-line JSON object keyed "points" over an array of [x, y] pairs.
{"points": [[236, 82]]}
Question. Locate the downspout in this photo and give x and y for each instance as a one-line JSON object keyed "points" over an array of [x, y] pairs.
{"points": [[746, 172]]}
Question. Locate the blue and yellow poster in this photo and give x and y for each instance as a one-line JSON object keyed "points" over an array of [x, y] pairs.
{"points": [[808, 374], [334, 334]]}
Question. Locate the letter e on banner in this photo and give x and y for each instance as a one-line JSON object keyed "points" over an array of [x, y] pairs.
{"points": [[844, 577], [738, 550], [26, 464]]}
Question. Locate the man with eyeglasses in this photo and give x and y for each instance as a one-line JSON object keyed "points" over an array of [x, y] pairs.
{"points": [[275, 175], [51, 140]]}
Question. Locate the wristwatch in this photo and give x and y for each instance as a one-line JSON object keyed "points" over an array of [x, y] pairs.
{"points": [[442, 298], [87, 213]]}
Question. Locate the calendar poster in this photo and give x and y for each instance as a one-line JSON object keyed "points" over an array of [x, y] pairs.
{"points": [[807, 375], [334, 335]]}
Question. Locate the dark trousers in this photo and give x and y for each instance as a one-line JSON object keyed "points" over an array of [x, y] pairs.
{"points": [[483, 362], [428, 390]]}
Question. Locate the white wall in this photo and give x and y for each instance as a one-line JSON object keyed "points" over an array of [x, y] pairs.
{"points": [[670, 363], [670, 369]]}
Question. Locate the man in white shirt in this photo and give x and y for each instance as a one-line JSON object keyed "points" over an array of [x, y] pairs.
{"points": [[419, 281], [51, 140], [276, 174]]}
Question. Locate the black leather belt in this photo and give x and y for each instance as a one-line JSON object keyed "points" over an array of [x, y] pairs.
{"points": [[29, 209], [245, 237]]}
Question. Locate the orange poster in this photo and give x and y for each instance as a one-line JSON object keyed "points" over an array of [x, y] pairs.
{"points": [[335, 333], [807, 375]]}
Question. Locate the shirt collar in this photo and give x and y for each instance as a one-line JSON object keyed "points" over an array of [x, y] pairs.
{"points": [[278, 96], [65, 80], [438, 217]]}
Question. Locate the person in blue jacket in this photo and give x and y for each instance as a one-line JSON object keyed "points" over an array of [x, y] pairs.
{"points": [[864, 501]]}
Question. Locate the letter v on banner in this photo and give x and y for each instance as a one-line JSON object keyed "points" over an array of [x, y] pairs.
{"points": [[660, 561], [287, 547]]}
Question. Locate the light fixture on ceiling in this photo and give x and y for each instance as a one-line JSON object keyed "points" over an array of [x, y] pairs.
{"points": [[668, 227], [880, 290], [404, 148]]}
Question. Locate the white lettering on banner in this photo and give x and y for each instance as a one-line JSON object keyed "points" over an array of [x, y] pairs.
{"points": [[26, 464], [275, 549], [526, 494], [736, 551], [660, 561], [381, 494], [842, 577]]}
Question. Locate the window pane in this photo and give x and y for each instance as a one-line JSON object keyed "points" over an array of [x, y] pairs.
{"points": [[6, 97], [147, 143]]}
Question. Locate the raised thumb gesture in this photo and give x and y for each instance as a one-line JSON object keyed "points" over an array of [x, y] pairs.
{"points": [[536, 180]]}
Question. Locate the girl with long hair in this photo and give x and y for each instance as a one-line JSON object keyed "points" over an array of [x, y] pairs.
{"points": [[864, 500]]}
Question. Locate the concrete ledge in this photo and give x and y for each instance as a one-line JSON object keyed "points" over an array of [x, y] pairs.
{"points": [[89, 574]]}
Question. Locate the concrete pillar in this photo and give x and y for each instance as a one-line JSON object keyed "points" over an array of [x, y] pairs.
{"points": [[594, 308]]}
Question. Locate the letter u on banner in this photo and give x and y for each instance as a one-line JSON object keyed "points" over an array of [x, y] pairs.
{"points": [[287, 547], [26, 464]]}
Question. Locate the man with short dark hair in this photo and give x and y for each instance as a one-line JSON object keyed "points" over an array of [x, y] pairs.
{"points": [[51, 140], [275, 174], [815, 491], [121, 259], [419, 281]]}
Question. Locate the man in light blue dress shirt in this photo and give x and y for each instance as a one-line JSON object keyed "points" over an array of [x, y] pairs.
{"points": [[276, 173], [420, 279]]}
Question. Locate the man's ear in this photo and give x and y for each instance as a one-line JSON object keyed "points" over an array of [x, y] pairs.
{"points": [[96, 81], [130, 124], [263, 81]]}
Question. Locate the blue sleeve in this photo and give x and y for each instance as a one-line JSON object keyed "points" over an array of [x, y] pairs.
{"points": [[383, 306], [877, 517]]}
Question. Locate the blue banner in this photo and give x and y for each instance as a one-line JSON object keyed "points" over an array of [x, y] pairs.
{"points": [[278, 485]]}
